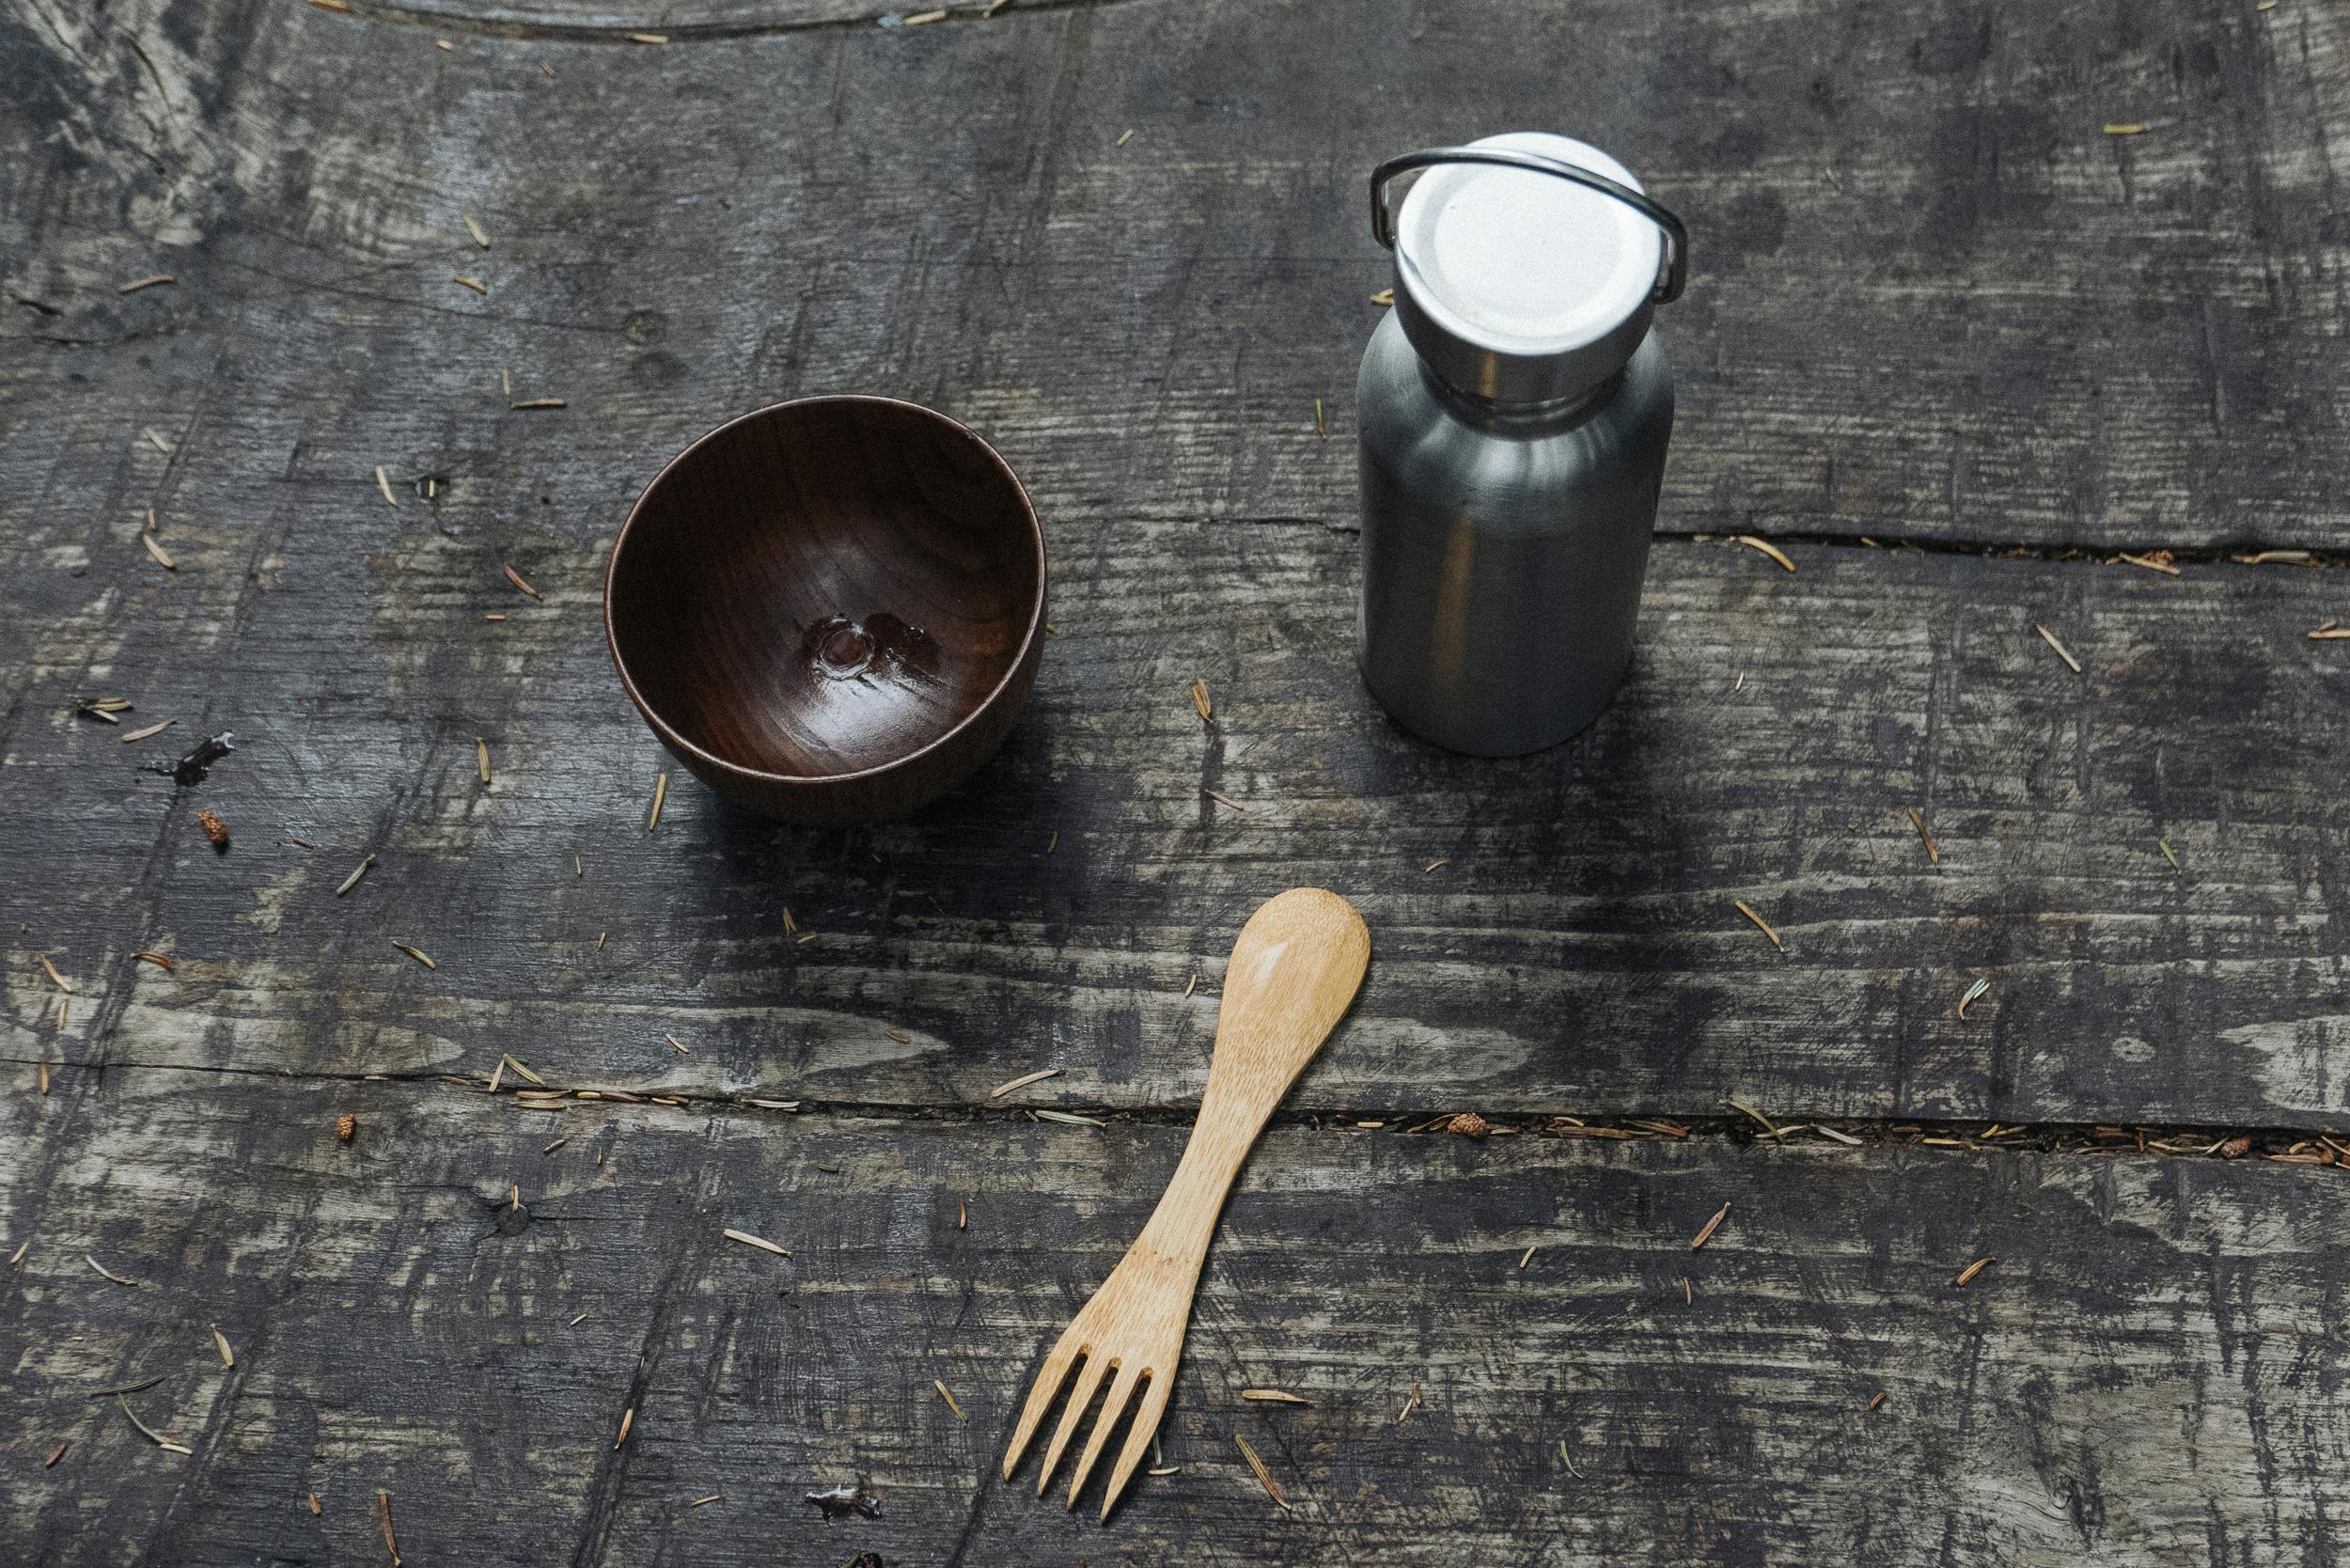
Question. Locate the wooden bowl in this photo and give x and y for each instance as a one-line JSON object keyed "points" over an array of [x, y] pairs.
{"points": [[831, 610]]}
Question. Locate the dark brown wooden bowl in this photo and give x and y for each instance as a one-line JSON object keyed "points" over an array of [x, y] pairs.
{"points": [[830, 610]]}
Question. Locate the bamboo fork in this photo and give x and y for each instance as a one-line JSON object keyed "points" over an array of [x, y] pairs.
{"points": [[1292, 973]]}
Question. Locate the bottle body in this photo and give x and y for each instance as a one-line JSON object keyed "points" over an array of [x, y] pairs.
{"points": [[1503, 547]]}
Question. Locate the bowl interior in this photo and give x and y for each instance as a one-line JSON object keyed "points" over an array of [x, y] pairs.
{"points": [[825, 586]]}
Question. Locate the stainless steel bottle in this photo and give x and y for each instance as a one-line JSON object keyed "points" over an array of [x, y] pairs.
{"points": [[1514, 409]]}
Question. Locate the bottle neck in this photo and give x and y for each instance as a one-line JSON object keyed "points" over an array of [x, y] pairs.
{"points": [[1520, 415]]}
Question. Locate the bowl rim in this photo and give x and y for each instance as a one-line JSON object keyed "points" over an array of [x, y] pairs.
{"points": [[668, 734]]}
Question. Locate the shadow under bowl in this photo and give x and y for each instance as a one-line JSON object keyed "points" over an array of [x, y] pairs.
{"points": [[830, 610]]}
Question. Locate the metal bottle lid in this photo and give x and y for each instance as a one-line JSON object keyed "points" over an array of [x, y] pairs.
{"points": [[1528, 265]]}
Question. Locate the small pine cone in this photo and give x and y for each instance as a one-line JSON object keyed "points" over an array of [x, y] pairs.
{"points": [[215, 829], [1469, 1124], [345, 1126]]}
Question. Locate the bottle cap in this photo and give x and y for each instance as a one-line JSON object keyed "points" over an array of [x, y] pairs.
{"points": [[1528, 265]]}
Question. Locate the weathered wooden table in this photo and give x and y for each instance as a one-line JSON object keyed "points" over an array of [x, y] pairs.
{"points": [[1959, 333]]}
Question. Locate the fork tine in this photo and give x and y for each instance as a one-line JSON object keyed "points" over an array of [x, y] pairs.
{"points": [[1111, 1408], [1048, 1381], [1080, 1395], [1147, 1413]]}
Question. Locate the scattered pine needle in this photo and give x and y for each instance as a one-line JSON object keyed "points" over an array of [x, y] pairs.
{"points": [[156, 550], [711, 1498], [1974, 992], [1765, 546], [55, 979], [521, 1070], [2333, 630], [227, 1356], [2125, 128], [1933, 853], [482, 756], [539, 403], [384, 484], [2151, 563], [1410, 1403], [1199, 700], [516, 578], [1384, 297], [676, 1044], [2167, 856], [628, 1419], [962, 1216], [149, 1433], [950, 1399], [1567, 1461], [1123, 136], [315, 1508], [353, 880], [1760, 923], [138, 283], [56, 1453], [1191, 987], [472, 283], [1066, 1119], [1023, 1081], [1264, 1477], [1749, 1110], [157, 442], [474, 229], [1970, 1271], [1225, 800], [660, 794], [1711, 1226], [151, 729], [649, 37], [759, 1242], [1878, 1400], [1433, 865], [417, 953], [1273, 1396], [118, 1279], [1319, 428], [384, 1517], [2061, 651]]}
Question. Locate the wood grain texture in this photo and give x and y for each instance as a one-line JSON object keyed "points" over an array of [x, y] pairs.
{"points": [[1295, 969], [1932, 297], [2147, 1373], [1577, 949]]}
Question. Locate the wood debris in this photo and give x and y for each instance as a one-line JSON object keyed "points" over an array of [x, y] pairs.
{"points": [[1023, 1081], [2061, 651], [118, 1279], [950, 1399], [1706, 1232], [1970, 1271], [1199, 700], [1273, 1396], [149, 1433], [2235, 1148], [1934, 853], [474, 229], [384, 1517], [1752, 542], [138, 283], [1264, 1477], [151, 729], [1760, 923], [759, 1242], [660, 794], [417, 953]]}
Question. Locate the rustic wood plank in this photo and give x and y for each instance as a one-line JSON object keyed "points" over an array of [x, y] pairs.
{"points": [[1932, 297], [1576, 950], [2142, 1375]]}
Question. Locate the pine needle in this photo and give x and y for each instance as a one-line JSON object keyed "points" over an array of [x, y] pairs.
{"points": [[1765, 546], [950, 1399], [1264, 1476], [1023, 1081], [2061, 651], [759, 1242], [1713, 1225], [1760, 923]]}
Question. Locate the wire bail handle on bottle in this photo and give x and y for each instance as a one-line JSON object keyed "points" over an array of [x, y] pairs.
{"points": [[1676, 268]]}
